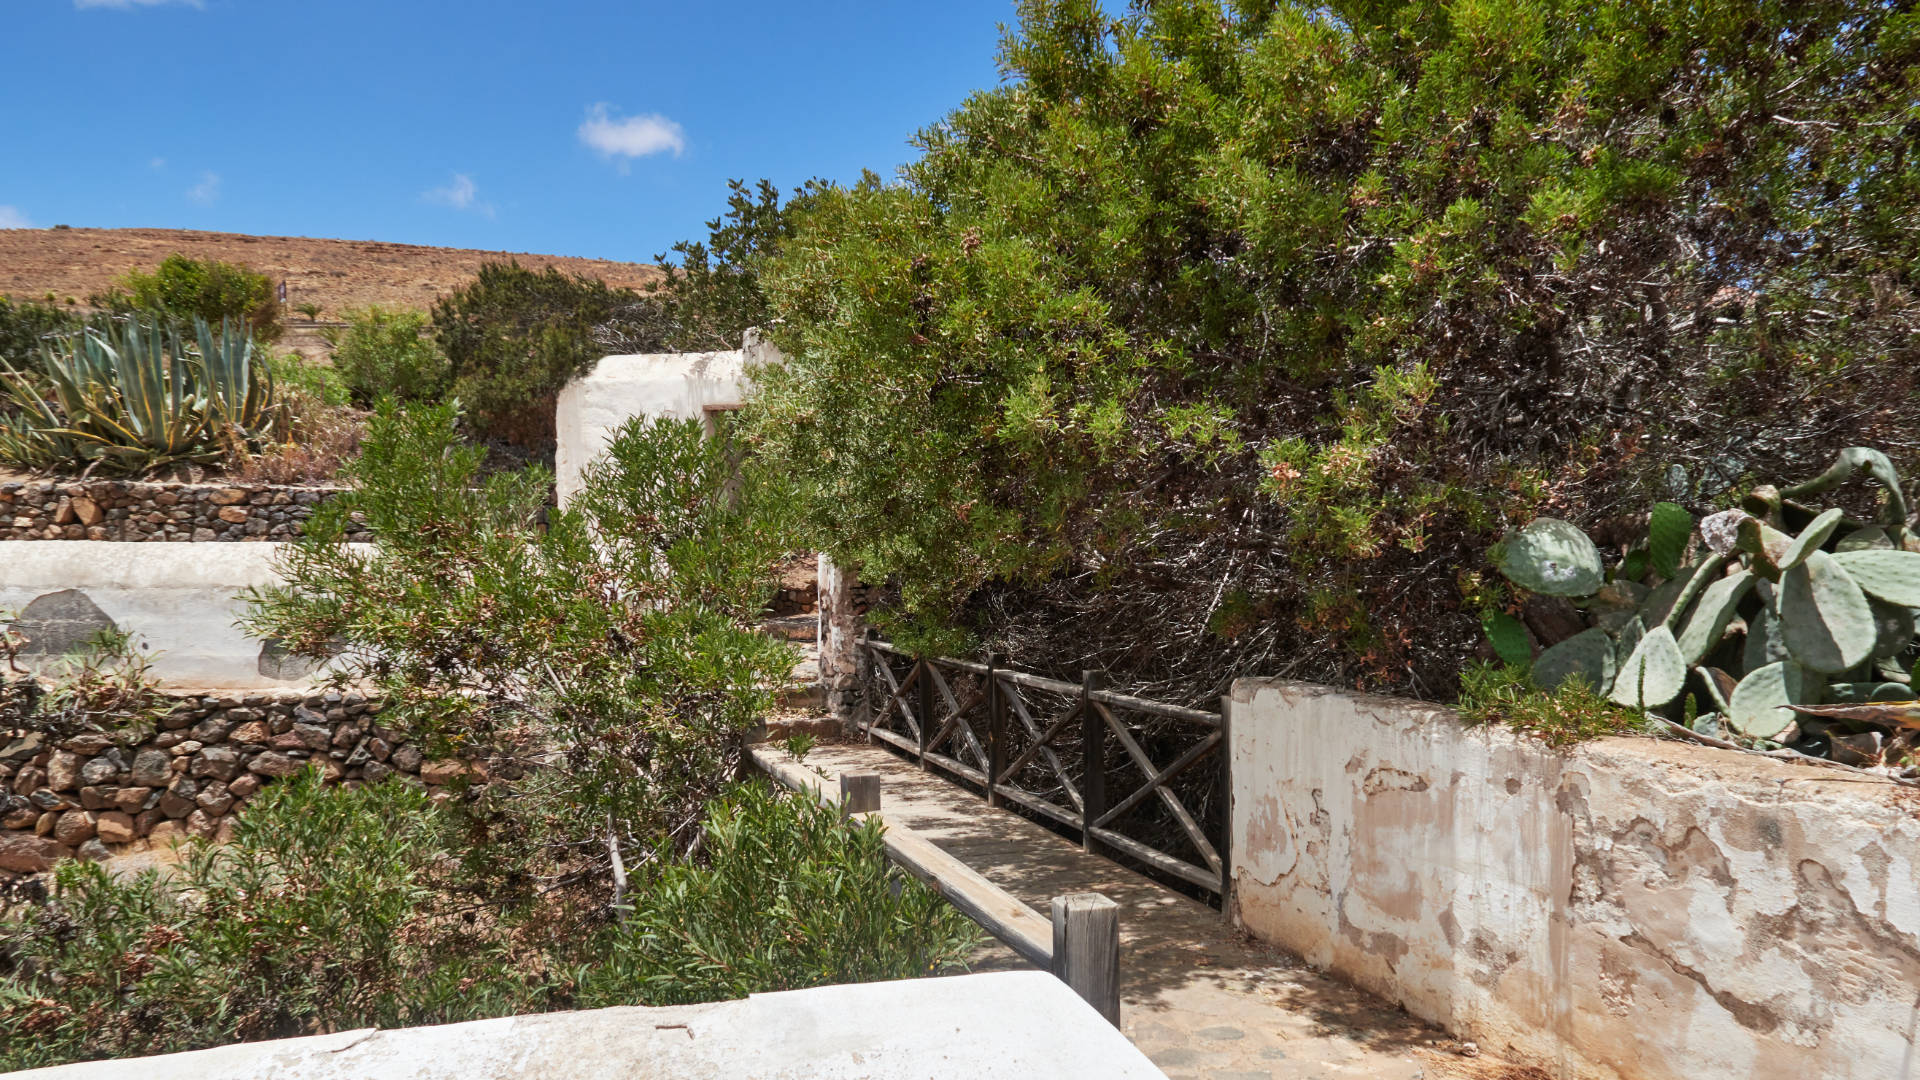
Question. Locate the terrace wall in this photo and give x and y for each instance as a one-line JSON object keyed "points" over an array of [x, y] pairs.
{"points": [[1626, 908], [132, 511]]}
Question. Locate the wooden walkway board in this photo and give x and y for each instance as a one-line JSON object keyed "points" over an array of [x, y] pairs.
{"points": [[1197, 998]]}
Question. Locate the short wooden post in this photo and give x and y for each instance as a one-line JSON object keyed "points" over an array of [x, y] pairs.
{"points": [[1093, 756], [1226, 806], [996, 727], [859, 793], [870, 693], [925, 706], [1086, 950]]}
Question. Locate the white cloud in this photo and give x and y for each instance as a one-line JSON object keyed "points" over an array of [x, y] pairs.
{"points": [[129, 5], [207, 191], [12, 218], [631, 137], [461, 194]]}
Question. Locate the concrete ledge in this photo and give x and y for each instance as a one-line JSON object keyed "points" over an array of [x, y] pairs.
{"points": [[1628, 908], [180, 600], [1012, 1025]]}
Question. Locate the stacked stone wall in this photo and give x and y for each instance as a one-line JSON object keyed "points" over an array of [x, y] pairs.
{"points": [[128, 510], [204, 761]]}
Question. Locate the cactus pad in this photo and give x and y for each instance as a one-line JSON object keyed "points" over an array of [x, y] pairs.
{"points": [[1588, 654], [1669, 528], [1824, 617], [1654, 672], [1811, 539], [1893, 576], [1707, 623], [1553, 558], [1509, 637], [1758, 706]]}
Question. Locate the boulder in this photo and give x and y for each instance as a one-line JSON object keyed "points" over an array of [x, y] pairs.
{"points": [[443, 772], [275, 763], [24, 853], [132, 800], [152, 768], [202, 824], [244, 786], [74, 827], [220, 762], [114, 827], [167, 833], [251, 733], [406, 758], [63, 770], [100, 770]]}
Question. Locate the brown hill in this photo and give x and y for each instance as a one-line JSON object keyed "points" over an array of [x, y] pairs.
{"points": [[336, 274]]}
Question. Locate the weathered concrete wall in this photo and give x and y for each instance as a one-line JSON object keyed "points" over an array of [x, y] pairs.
{"points": [[683, 385], [180, 600], [1020, 1025], [1624, 909]]}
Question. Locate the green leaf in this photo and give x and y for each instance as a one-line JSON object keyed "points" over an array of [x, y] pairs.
{"points": [[1553, 558], [1757, 706], [1588, 654], [1654, 674], [1893, 576], [1824, 617], [1669, 528], [1509, 637]]}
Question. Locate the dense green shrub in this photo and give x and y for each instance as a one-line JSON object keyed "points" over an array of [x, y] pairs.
{"points": [[513, 337], [327, 912], [187, 289], [786, 896], [1222, 337], [616, 643], [389, 351], [26, 327]]}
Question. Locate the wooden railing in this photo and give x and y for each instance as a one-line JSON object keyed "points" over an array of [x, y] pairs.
{"points": [[1049, 747]]}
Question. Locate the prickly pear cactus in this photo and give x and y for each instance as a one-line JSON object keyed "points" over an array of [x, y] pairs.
{"points": [[1553, 558]]}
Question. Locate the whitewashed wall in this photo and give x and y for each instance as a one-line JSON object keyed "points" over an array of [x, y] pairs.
{"points": [[1629, 908], [180, 600]]}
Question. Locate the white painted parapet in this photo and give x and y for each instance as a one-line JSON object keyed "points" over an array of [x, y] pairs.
{"points": [[591, 408], [180, 600], [1023, 1025], [1623, 909]]}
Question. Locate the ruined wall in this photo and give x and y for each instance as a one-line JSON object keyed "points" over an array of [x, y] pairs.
{"points": [[1628, 908], [179, 600]]}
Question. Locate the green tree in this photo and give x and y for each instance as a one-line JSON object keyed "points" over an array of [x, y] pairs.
{"points": [[186, 289], [389, 351], [712, 289], [1224, 336], [513, 337], [27, 327]]}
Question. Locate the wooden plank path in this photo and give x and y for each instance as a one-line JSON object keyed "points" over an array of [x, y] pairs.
{"points": [[1196, 997]]}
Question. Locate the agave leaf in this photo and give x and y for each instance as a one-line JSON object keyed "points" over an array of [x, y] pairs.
{"points": [[1708, 621], [1758, 707], [1588, 654], [1669, 528], [1654, 673], [1824, 617], [1893, 576]]}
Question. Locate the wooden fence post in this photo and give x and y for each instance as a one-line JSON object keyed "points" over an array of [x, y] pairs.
{"points": [[869, 690], [1086, 950], [996, 727], [859, 793], [925, 698], [1226, 807], [1093, 757]]}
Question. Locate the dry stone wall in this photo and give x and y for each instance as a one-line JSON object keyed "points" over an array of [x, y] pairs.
{"points": [[204, 761], [127, 510]]}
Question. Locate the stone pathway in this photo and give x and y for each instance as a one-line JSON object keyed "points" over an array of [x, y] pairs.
{"points": [[1202, 1000]]}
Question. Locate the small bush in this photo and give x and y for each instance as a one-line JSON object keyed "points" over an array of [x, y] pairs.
{"points": [[790, 897], [26, 326], [325, 913], [1505, 694], [209, 289], [388, 351]]}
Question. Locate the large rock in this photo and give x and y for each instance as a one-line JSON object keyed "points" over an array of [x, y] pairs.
{"points": [[220, 762], [63, 770], [152, 768], [443, 772], [244, 786], [406, 758], [114, 827], [25, 853], [100, 770], [275, 763], [215, 798], [74, 827], [23, 749], [132, 800], [251, 733]]}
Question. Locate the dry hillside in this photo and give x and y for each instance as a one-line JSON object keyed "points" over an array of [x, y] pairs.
{"points": [[336, 274]]}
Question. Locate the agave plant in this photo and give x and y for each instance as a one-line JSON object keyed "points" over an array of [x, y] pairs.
{"points": [[1781, 620], [135, 394]]}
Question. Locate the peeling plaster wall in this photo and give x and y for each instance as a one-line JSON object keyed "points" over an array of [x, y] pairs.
{"points": [[684, 385], [1623, 909], [180, 600]]}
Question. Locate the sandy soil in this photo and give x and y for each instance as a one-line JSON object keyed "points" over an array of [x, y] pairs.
{"points": [[336, 274]]}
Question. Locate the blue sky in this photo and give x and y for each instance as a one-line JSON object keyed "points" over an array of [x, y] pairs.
{"points": [[576, 127]]}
